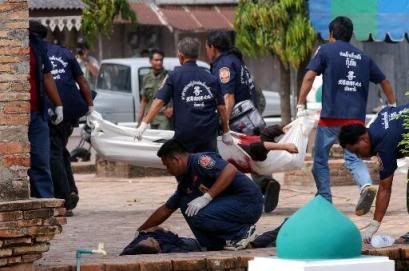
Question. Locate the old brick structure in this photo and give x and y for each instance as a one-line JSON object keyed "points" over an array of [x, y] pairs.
{"points": [[26, 225]]}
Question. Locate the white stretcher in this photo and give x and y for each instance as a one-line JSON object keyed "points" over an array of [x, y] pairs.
{"points": [[117, 143]]}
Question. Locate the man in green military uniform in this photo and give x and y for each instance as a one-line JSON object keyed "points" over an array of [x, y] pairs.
{"points": [[151, 84]]}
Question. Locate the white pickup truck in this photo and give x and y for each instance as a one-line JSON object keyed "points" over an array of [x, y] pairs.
{"points": [[119, 83]]}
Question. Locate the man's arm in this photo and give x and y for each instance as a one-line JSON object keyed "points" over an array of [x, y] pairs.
{"points": [[306, 86], [157, 218], [229, 101], [51, 90], [156, 106], [85, 89], [223, 181], [382, 198], [223, 115], [388, 91], [142, 109]]}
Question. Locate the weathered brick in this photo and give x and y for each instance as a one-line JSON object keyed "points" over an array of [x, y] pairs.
{"points": [[13, 260], [16, 107], [18, 14], [122, 267], [44, 238], [29, 258], [10, 216], [9, 233], [30, 223], [17, 25], [189, 264], [42, 230], [92, 267], [221, 263], [17, 241], [5, 252], [60, 212], [41, 247], [54, 221], [16, 160], [39, 213], [156, 266], [53, 203], [14, 147], [3, 262]]}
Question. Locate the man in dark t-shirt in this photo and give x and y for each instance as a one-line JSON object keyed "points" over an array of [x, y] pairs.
{"points": [[346, 72], [220, 204], [382, 139]]}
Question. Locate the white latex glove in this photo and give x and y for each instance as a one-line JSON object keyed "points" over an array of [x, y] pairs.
{"points": [[369, 230], [195, 205], [90, 110], [227, 138], [58, 113], [141, 129], [301, 112]]}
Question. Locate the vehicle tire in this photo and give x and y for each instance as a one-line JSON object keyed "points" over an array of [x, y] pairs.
{"points": [[80, 154]]}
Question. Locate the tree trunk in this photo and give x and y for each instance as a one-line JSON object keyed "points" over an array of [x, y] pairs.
{"points": [[285, 91], [100, 49]]}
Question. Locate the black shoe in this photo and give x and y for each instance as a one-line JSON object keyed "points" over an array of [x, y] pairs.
{"points": [[244, 242], [69, 213], [72, 201], [271, 196], [366, 199]]}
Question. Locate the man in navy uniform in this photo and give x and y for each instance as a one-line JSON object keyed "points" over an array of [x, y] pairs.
{"points": [[220, 204], [76, 103], [382, 139], [346, 72], [196, 96]]}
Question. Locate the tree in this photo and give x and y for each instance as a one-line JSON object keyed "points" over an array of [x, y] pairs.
{"points": [[280, 28], [98, 17]]}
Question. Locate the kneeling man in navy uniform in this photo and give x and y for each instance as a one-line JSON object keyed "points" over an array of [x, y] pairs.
{"points": [[220, 204]]}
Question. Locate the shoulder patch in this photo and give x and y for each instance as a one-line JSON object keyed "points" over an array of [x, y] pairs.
{"points": [[224, 75], [207, 162]]}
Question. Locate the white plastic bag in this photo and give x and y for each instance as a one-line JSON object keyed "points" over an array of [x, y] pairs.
{"points": [[277, 161]]}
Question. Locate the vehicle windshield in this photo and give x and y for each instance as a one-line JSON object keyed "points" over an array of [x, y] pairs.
{"points": [[114, 77]]}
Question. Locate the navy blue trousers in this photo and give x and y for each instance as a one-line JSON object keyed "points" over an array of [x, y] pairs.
{"points": [[41, 183], [225, 218]]}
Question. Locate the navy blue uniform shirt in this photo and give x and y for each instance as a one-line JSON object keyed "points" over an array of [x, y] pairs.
{"points": [[203, 170], [234, 77], [65, 69], [386, 134], [195, 94], [346, 75]]}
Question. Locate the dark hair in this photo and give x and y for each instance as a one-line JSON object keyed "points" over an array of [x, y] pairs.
{"points": [[37, 29], [220, 40], [189, 47], [270, 133], [350, 134], [171, 148], [154, 51], [341, 28]]}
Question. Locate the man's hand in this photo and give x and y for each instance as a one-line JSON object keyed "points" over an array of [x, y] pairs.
{"points": [[168, 112], [197, 204], [301, 112], [369, 230], [227, 138], [141, 129], [291, 148], [56, 116]]}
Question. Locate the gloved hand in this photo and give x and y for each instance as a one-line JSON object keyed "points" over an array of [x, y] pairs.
{"points": [[195, 205], [301, 112], [227, 138], [141, 129], [90, 110], [56, 116], [369, 230]]}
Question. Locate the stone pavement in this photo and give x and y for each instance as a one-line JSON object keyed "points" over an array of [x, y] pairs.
{"points": [[110, 209]]}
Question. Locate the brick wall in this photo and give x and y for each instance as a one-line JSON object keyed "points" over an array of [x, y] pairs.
{"points": [[14, 100]]}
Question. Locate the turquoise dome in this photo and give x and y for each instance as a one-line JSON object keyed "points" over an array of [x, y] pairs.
{"points": [[319, 231]]}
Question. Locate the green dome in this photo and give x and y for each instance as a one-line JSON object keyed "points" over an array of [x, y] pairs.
{"points": [[319, 231]]}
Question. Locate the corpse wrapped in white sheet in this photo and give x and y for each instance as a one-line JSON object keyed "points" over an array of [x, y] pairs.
{"points": [[117, 143]]}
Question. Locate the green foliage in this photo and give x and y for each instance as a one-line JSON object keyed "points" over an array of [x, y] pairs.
{"points": [[279, 27], [98, 16], [404, 144]]}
